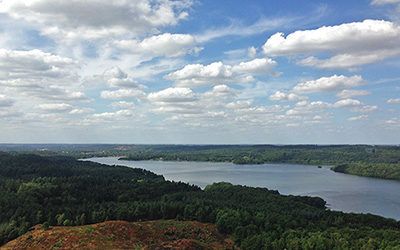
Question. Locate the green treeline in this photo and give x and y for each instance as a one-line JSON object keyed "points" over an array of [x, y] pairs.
{"points": [[371, 161], [258, 154], [63, 191], [379, 170], [365, 160]]}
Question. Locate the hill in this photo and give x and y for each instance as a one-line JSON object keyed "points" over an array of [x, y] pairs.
{"points": [[161, 234]]}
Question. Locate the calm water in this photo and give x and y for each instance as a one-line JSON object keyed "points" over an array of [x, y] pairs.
{"points": [[342, 192]]}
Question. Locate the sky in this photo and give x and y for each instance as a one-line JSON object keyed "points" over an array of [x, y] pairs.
{"points": [[200, 71]]}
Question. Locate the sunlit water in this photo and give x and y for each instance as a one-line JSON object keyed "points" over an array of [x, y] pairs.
{"points": [[341, 191]]}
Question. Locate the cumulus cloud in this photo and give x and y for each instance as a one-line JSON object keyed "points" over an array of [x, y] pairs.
{"points": [[332, 83], [188, 104], [94, 19], [115, 77], [122, 85], [260, 66], [305, 107], [346, 103], [282, 96], [355, 105], [219, 73], [220, 91], [241, 104], [19, 67], [173, 95], [349, 44], [40, 74]]}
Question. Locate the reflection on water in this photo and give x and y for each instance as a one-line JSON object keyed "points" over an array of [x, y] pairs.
{"points": [[342, 192]]}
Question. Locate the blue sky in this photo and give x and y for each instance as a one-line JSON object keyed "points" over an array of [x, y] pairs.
{"points": [[193, 71]]}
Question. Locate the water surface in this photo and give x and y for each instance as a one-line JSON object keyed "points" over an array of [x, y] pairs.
{"points": [[341, 191]]}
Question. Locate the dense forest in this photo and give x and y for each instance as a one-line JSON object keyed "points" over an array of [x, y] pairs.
{"points": [[379, 170], [60, 190]]}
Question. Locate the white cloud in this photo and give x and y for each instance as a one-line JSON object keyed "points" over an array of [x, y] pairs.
{"points": [[346, 103], [357, 118], [198, 74], [35, 73], [393, 101], [393, 122], [348, 60], [123, 87], [252, 52], [123, 105], [355, 105], [173, 95], [332, 83], [55, 107], [79, 111], [220, 91], [219, 73], [383, 2], [93, 19], [282, 96], [366, 108], [115, 77], [34, 66], [119, 115], [169, 45], [350, 44], [5, 101], [348, 93], [241, 104], [259, 66], [122, 94], [239, 29]]}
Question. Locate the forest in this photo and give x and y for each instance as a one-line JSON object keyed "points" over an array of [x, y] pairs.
{"points": [[378, 170], [60, 190]]}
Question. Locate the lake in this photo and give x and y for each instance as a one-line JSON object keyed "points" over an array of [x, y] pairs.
{"points": [[342, 192]]}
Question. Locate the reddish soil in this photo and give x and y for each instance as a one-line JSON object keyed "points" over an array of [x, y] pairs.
{"points": [[162, 234]]}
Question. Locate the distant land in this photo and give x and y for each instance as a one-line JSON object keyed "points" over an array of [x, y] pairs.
{"points": [[379, 161]]}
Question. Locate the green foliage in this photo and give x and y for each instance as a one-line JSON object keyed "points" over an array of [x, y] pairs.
{"points": [[62, 191], [380, 170], [258, 154]]}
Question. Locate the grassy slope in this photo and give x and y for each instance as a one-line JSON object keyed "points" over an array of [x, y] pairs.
{"points": [[163, 234]]}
